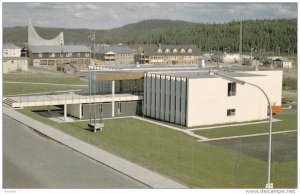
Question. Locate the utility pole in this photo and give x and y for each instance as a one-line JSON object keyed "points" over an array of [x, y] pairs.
{"points": [[241, 38]]}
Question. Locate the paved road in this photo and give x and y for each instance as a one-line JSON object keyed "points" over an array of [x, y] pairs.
{"points": [[284, 146], [31, 160]]}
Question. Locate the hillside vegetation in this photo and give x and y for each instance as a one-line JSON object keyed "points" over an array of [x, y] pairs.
{"points": [[270, 34]]}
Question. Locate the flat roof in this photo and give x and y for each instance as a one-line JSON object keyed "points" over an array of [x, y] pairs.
{"points": [[117, 75], [164, 67], [204, 74], [129, 72], [58, 49]]}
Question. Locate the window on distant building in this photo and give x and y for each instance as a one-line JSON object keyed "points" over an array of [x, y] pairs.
{"points": [[190, 51], [40, 55], [175, 50], [230, 112], [159, 51], [182, 50], [87, 54], [78, 54], [167, 51], [52, 55], [69, 54], [231, 89]]}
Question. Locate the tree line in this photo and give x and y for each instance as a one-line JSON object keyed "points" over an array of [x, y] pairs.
{"points": [[273, 35]]}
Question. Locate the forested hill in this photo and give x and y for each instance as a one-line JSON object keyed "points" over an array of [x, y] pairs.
{"points": [[263, 34]]}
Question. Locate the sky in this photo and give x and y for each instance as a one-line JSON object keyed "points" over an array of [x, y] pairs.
{"points": [[111, 15]]}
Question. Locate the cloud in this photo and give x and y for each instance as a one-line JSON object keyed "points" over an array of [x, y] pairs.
{"points": [[79, 15], [34, 5], [108, 15], [91, 7], [79, 6]]}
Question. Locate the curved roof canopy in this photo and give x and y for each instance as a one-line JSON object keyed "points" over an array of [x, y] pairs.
{"points": [[34, 38]]}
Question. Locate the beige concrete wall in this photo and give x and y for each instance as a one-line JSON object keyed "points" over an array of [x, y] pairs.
{"points": [[5, 67], [208, 101], [74, 110], [15, 65]]}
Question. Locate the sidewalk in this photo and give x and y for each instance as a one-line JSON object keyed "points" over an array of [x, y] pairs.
{"points": [[190, 133], [242, 136], [128, 168], [233, 125]]}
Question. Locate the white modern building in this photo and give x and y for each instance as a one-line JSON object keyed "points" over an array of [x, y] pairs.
{"points": [[12, 60], [184, 95], [200, 98], [283, 63]]}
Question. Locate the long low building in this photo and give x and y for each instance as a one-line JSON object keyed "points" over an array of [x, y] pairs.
{"points": [[78, 55], [185, 95]]}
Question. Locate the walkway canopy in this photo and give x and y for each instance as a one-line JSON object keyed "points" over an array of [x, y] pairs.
{"points": [[114, 75]]}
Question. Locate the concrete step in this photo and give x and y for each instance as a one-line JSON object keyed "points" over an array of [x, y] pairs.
{"points": [[8, 101]]}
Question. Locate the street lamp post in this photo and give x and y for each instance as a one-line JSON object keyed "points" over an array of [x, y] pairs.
{"points": [[226, 77]]}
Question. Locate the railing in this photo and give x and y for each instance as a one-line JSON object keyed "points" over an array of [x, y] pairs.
{"points": [[50, 98]]}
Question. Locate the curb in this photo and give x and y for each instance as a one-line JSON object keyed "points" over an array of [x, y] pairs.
{"points": [[141, 174]]}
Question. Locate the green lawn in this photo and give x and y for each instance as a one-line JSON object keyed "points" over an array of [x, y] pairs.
{"points": [[178, 155], [45, 69], [289, 122], [15, 89], [55, 78], [44, 78]]}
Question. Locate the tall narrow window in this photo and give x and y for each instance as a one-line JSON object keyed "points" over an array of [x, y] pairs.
{"points": [[119, 108], [101, 108], [230, 112], [231, 89]]}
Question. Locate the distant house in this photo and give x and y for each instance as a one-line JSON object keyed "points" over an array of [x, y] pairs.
{"points": [[114, 54], [168, 54], [216, 57], [230, 57], [12, 60], [283, 63], [77, 55], [11, 50], [250, 62]]}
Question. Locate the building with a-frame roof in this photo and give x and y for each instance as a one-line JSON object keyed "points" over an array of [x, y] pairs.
{"points": [[54, 52]]}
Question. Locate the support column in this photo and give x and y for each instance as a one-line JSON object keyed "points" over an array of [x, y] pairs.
{"points": [[65, 112], [113, 98]]}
